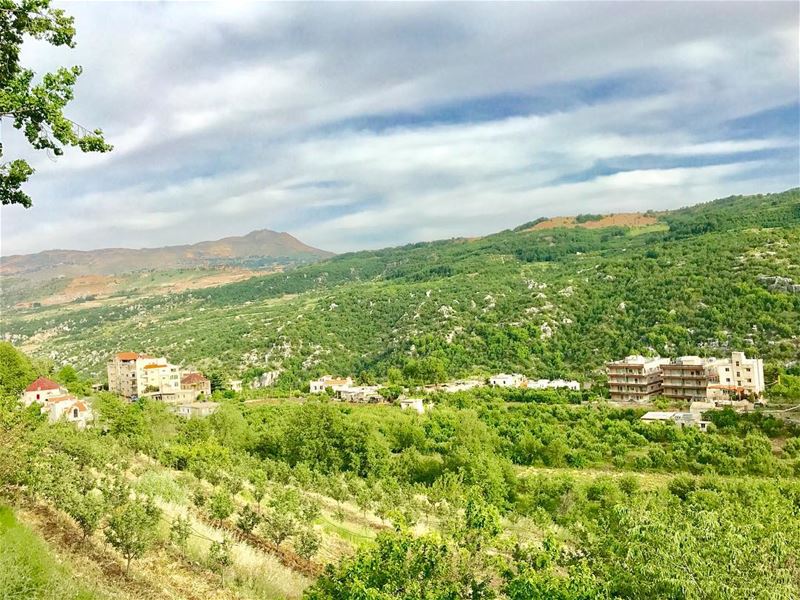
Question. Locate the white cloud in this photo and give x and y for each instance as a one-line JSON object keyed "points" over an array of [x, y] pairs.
{"points": [[225, 119]]}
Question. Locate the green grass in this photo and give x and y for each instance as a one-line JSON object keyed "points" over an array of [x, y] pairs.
{"points": [[28, 570]]}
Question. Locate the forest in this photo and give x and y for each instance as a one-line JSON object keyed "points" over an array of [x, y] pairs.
{"points": [[548, 303], [482, 496]]}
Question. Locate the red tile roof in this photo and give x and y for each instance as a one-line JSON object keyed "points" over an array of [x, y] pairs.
{"points": [[193, 378], [42, 383], [154, 366], [127, 355], [56, 399]]}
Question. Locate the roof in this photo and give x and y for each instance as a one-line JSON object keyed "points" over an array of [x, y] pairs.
{"points": [[154, 366], [65, 398], [42, 383], [127, 355], [193, 378], [655, 415]]}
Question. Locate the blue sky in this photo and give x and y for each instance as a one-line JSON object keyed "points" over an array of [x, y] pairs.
{"points": [[366, 125]]}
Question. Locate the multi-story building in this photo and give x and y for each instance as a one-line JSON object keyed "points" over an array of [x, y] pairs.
{"points": [[635, 378], [198, 384], [133, 375], [741, 375], [687, 378], [318, 386]]}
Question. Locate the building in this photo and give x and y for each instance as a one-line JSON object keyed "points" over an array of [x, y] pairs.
{"points": [[681, 419], [635, 378], [412, 404], [56, 402], [40, 390], [543, 384], [687, 378], [505, 380], [318, 386], [197, 383], [741, 375], [134, 375], [235, 385], [459, 386], [196, 409], [359, 393], [68, 408]]}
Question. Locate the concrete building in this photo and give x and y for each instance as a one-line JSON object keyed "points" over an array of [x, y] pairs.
{"points": [[507, 381], [741, 376], [40, 390], [412, 404], [318, 386], [359, 393], [196, 409], [197, 383], [681, 419], [134, 375], [687, 378], [544, 384], [635, 378], [235, 385]]}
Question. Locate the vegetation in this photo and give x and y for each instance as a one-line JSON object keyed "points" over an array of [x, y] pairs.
{"points": [[37, 108], [550, 303]]}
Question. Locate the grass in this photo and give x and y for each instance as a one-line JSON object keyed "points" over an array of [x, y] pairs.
{"points": [[28, 570]]}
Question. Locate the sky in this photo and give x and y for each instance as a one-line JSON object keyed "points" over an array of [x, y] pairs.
{"points": [[355, 126]]}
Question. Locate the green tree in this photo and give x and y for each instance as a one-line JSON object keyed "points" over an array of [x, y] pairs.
{"points": [[307, 543], [37, 108], [131, 529], [220, 506], [87, 510], [179, 533], [278, 526], [248, 519], [219, 557]]}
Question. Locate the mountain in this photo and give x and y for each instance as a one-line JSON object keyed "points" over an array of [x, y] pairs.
{"points": [[63, 276], [255, 248], [548, 302]]}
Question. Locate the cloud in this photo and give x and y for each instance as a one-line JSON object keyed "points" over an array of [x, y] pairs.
{"points": [[374, 124]]}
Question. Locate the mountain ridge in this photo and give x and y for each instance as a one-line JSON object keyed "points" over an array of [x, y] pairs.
{"points": [[261, 243]]}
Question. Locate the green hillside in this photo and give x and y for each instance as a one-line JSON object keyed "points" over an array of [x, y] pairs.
{"points": [[553, 302]]}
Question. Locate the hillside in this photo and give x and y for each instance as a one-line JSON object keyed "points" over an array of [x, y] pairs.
{"points": [[552, 302], [60, 276]]}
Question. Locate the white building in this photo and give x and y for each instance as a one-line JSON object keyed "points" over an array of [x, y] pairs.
{"points": [[132, 375], [235, 385], [412, 404], [56, 402], [681, 419], [359, 393], [318, 386], [741, 375], [460, 386], [543, 384], [505, 380], [196, 409], [40, 390]]}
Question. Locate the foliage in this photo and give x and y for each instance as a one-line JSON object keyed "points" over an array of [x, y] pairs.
{"points": [[131, 528], [37, 108], [179, 532], [219, 557]]}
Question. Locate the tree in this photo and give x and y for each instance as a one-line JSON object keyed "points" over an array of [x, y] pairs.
{"points": [[219, 557], [307, 543], [278, 526], [87, 510], [248, 519], [131, 529], [220, 506], [37, 108], [179, 533]]}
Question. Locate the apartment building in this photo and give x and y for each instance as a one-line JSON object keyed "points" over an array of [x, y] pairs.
{"points": [[740, 376], [635, 378], [132, 375], [687, 378]]}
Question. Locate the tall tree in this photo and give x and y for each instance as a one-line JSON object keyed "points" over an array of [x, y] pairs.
{"points": [[37, 108]]}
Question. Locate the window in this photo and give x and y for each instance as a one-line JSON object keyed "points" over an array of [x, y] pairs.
{"points": [[74, 413], [37, 396]]}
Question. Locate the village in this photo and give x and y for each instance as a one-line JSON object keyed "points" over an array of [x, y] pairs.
{"points": [[703, 384]]}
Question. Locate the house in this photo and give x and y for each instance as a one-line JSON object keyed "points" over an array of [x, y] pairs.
{"points": [[196, 409], [682, 419], [507, 381], [235, 385], [744, 376], [543, 384], [68, 408], [460, 386], [635, 378], [318, 386], [360, 393], [197, 383], [56, 402], [413, 404], [40, 390]]}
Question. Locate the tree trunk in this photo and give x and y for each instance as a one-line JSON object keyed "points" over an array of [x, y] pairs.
{"points": [[128, 565]]}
